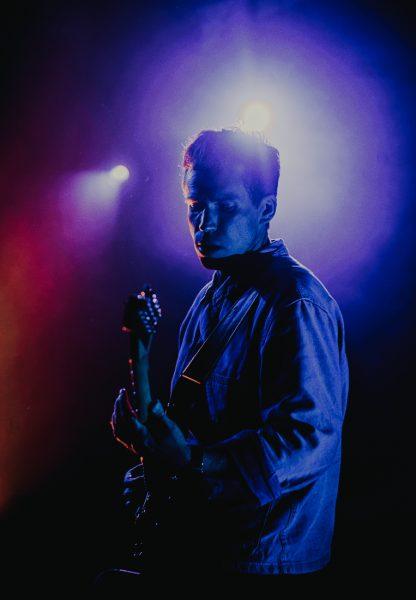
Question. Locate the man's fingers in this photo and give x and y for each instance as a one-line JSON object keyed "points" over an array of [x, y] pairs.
{"points": [[119, 412], [143, 435], [157, 421], [161, 426], [159, 437], [125, 404], [156, 409], [122, 418], [127, 429]]}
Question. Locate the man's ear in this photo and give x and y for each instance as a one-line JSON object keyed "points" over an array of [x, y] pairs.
{"points": [[267, 207]]}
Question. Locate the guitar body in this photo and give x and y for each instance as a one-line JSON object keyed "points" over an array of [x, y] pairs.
{"points": [[168, 525]]}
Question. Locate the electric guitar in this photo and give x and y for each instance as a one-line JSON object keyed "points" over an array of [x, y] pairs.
{"points": [[168, 501], [141, 317]]}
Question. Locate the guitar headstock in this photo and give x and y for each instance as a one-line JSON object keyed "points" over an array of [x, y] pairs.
{"points": [[142, 313]]}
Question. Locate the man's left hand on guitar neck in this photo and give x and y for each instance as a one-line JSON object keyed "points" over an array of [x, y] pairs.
{"points": [[159, 437]]}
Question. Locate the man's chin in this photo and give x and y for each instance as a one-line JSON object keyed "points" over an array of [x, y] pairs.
{"points": [[212, 258], [211, 262], [218, 262]]}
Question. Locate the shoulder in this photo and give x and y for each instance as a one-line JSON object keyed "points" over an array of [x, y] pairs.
{"points": [[288, 281], [293, 295], [295, 299]]}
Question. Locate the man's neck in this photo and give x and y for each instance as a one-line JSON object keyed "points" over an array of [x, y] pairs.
{"points": [[235, 263], [265, 241]]}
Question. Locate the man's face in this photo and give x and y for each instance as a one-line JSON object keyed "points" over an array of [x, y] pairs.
{"points": [[222, 218]]}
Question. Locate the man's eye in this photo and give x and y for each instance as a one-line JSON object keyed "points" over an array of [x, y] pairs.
{"points": [[193, 205], [228, 206]]}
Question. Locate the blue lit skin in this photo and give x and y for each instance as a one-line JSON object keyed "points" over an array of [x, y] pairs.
{"points": [[221, 212]]}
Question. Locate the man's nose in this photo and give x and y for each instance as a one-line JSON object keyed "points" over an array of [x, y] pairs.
{"points": [[208, 221]]}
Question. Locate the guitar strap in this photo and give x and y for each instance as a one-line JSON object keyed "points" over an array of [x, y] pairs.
{"points": [[206, 357], [188, 387]]}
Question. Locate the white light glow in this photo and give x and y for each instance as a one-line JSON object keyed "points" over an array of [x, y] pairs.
{"points": [[120, 173], [256, 116]]}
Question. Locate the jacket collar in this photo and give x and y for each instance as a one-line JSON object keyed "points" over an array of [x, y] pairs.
{"points": [[241, 266]]}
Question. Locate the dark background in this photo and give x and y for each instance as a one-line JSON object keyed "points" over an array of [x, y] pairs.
{"points": [[64, 357]]}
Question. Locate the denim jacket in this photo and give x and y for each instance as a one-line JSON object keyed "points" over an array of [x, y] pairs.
{"points": [[275, 404]]}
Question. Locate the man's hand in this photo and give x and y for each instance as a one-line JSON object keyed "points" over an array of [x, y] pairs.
{"points": [[159, 437]]}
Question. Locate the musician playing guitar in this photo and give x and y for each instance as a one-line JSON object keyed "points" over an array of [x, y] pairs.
{"points": [[244, 462]]}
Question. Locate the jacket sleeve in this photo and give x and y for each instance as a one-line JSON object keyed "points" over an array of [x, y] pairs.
{"points": [[302, 402]]}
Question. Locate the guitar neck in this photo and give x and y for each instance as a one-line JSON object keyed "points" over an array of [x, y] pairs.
{"points": [[139, 377], [141, 316]]}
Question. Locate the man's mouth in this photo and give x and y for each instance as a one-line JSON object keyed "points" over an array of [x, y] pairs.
{"points": [[204, 247]]}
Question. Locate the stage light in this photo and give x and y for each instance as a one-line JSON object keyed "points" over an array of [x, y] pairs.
{"points": [[120, 173], [256, 116], [90, 201]]}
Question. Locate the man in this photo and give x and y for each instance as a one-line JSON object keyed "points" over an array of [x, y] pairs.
{"points": [[259, 455]]}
